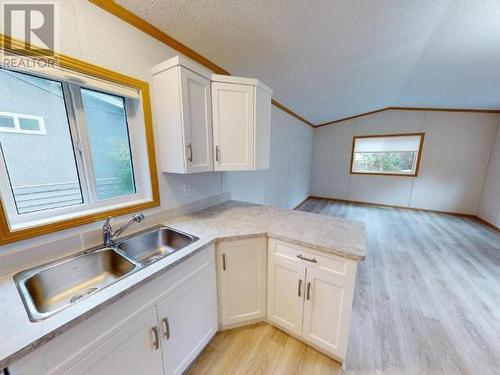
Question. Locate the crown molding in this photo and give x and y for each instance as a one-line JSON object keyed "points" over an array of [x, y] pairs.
{"points": [[468, 110]]}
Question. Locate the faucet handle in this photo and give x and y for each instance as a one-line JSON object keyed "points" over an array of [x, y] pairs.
{"points": [[139, 217], [107, 222]]}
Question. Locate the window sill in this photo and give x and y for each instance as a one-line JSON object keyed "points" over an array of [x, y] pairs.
{"points": [[385, 174], [92, 214]]}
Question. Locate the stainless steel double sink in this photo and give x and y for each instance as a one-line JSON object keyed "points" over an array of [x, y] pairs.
{"points": [[53, 286]]}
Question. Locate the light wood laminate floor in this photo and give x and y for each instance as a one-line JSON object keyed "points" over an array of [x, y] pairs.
{"points": [[427, 301]]}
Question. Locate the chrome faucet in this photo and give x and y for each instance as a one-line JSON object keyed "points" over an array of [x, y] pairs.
{"points": [[108, 235]]}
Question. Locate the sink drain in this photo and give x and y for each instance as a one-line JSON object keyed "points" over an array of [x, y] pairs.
{"points": [[82, 294]]}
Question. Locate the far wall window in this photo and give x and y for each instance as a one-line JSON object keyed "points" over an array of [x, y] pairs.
{"points": [[391, 154]]}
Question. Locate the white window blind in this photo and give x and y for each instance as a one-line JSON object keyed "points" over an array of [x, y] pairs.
{"points": [[388, 144]]}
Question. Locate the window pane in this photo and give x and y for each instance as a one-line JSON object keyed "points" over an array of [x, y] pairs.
{"points": [[368, 162], [107, 127], [29, 124], [400, 162], [6, 122], [42, 168]]}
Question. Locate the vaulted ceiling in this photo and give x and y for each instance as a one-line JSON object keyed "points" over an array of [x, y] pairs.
{"points": [[330, 59]]}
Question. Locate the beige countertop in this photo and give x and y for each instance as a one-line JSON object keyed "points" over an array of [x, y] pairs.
{"points": [[229, 220]]}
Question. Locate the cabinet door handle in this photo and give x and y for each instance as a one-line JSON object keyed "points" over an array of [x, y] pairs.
{"points": [[166, 328], [308, 293], [300, 287], [156, 342], [313, 260], [190, 149], [217, 154], [223, 262]]}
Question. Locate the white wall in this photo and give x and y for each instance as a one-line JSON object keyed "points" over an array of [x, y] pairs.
{"points": [[286, 183], [489, 204], [452, 170]]}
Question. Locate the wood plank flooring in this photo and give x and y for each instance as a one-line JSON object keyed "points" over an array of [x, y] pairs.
{"points": [[261, 349], [427, 301]]}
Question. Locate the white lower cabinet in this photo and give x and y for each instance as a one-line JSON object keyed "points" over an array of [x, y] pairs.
{"points": [[162, 326], [130, 351], [327, 311], [188, 320], [242, 277], [157, 329], [285, 305], [310, 295]]}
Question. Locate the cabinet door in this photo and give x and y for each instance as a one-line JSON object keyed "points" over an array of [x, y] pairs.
{"points": [[327, 311], [133, 350], [234, 126], [286, 288], [188, 319], [242, 280], [197, 120]]}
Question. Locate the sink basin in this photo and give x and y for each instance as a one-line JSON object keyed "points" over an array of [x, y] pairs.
{"points": [[51, 287], [155, 244]]}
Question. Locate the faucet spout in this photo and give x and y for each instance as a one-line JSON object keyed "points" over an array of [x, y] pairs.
{"points": [[108, 235]]}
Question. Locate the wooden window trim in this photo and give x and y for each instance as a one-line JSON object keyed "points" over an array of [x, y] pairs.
{"points": [[6, 234], [419, 156]]}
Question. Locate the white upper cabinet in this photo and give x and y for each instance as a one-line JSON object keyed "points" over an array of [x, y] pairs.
{"points": [[201, 117], [183, 116], [241, 123]]}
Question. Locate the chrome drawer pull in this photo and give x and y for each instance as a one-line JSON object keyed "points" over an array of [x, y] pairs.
{"points": [[313, 260], [166, 328], [156, 342]]}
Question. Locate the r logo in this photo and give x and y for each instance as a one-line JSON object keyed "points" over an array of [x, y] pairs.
{"points": [[34, 23]]}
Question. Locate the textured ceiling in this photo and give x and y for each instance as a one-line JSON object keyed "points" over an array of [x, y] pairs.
{"points": [[327, 60]]}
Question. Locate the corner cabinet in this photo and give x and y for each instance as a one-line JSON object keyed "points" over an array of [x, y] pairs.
{"points": [[241, 123], [207, 122], [241, 270], [310, 295], [182, 107]]}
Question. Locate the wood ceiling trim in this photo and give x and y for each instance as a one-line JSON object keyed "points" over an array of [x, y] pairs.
{"points": [[134, 20], [467, 110]]}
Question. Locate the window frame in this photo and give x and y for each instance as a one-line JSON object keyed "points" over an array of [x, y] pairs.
{"points": [[418, 159], [146, 195]]}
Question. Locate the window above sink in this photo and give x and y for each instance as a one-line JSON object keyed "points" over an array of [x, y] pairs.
{"points": [[76, 145]]}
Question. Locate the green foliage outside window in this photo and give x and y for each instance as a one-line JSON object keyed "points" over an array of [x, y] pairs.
{"points": [[384, 162]]}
